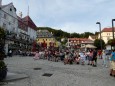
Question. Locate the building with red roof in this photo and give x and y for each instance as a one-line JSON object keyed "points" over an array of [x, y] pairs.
{"points": [[26, 24], [20, 32], [106, 34], [78, 42], [27, 29]]}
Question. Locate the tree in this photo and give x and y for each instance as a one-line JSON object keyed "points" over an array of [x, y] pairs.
{"points": [[2, 43], [97, 43], [3, 68], [75, 35], [96, 33], [111, 42], [2, 33], [64, 41], [61, 34]]}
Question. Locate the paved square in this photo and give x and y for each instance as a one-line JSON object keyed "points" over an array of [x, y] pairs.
{"points": [[63, 75]]}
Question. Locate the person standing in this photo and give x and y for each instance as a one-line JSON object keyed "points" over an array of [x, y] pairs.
{"points": [[112, 64], [94, 59], [10, 53], [90, 57], [100, 54], [104, 57]]}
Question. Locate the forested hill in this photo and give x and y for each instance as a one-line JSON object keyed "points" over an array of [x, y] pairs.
{"points": [[61, 34]]}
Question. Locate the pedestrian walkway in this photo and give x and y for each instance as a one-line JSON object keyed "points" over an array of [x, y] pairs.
{"points": [[60, 74], [15, 76]]}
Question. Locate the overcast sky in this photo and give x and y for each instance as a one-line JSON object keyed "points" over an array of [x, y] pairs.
{"points": [[68, 15]]}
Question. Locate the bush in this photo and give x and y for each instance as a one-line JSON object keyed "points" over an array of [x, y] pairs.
{"points": [[2, 55], [2, 64], [3, 70]]}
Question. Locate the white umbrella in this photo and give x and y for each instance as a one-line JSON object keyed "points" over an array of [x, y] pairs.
{"points": [[90, 46]]}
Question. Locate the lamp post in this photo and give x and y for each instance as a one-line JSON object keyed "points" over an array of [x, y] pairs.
{"points": [[113, 27], [100, 33]]}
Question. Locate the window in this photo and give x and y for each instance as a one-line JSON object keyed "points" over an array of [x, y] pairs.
{"points": [[10, 9], [13, 29], [0, 14], [5, 16], [108, 34], [9, 23], [14, 20], [4, 25], [108, 38]]}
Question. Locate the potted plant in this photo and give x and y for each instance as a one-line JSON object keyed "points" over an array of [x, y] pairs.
{"points": [[3, 70]]}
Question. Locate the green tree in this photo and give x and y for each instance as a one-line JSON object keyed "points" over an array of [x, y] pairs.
{"points": [[98, 42], [61, 34], [96, 33], [75, 35], [112, 43], [85, 34], [64, 41], [2, 33], [2, 43]]}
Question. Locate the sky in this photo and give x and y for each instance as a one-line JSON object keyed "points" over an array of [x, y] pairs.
{"points": [[77, 16]]}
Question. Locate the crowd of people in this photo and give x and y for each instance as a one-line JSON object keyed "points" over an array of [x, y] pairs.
{"points": [[72, 56], [79, 57]]}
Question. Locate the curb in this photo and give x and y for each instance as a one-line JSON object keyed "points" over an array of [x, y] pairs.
{"points": [[14, 77]]}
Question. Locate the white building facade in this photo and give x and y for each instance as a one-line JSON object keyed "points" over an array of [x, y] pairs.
{"points": [[21, 32], [106, 34], [8, 21]]}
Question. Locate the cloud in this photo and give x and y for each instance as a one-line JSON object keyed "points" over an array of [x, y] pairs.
{"points": [[68, 15]]}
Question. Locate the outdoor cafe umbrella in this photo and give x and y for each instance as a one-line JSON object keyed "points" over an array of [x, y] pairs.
{"points": [[89, 46]]}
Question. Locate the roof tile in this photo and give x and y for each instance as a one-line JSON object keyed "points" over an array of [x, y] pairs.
{"points": [[108, 29]]}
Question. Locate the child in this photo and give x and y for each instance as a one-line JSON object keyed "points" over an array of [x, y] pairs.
{"points": [[66, 58], [83, 57], [36, 57]]}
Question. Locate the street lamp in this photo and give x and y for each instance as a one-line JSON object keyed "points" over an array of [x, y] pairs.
{"points": [[100, 33], [113, 27]]}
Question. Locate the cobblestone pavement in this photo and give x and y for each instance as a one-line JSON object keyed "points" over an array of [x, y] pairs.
{"points": [[62, 75]]}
